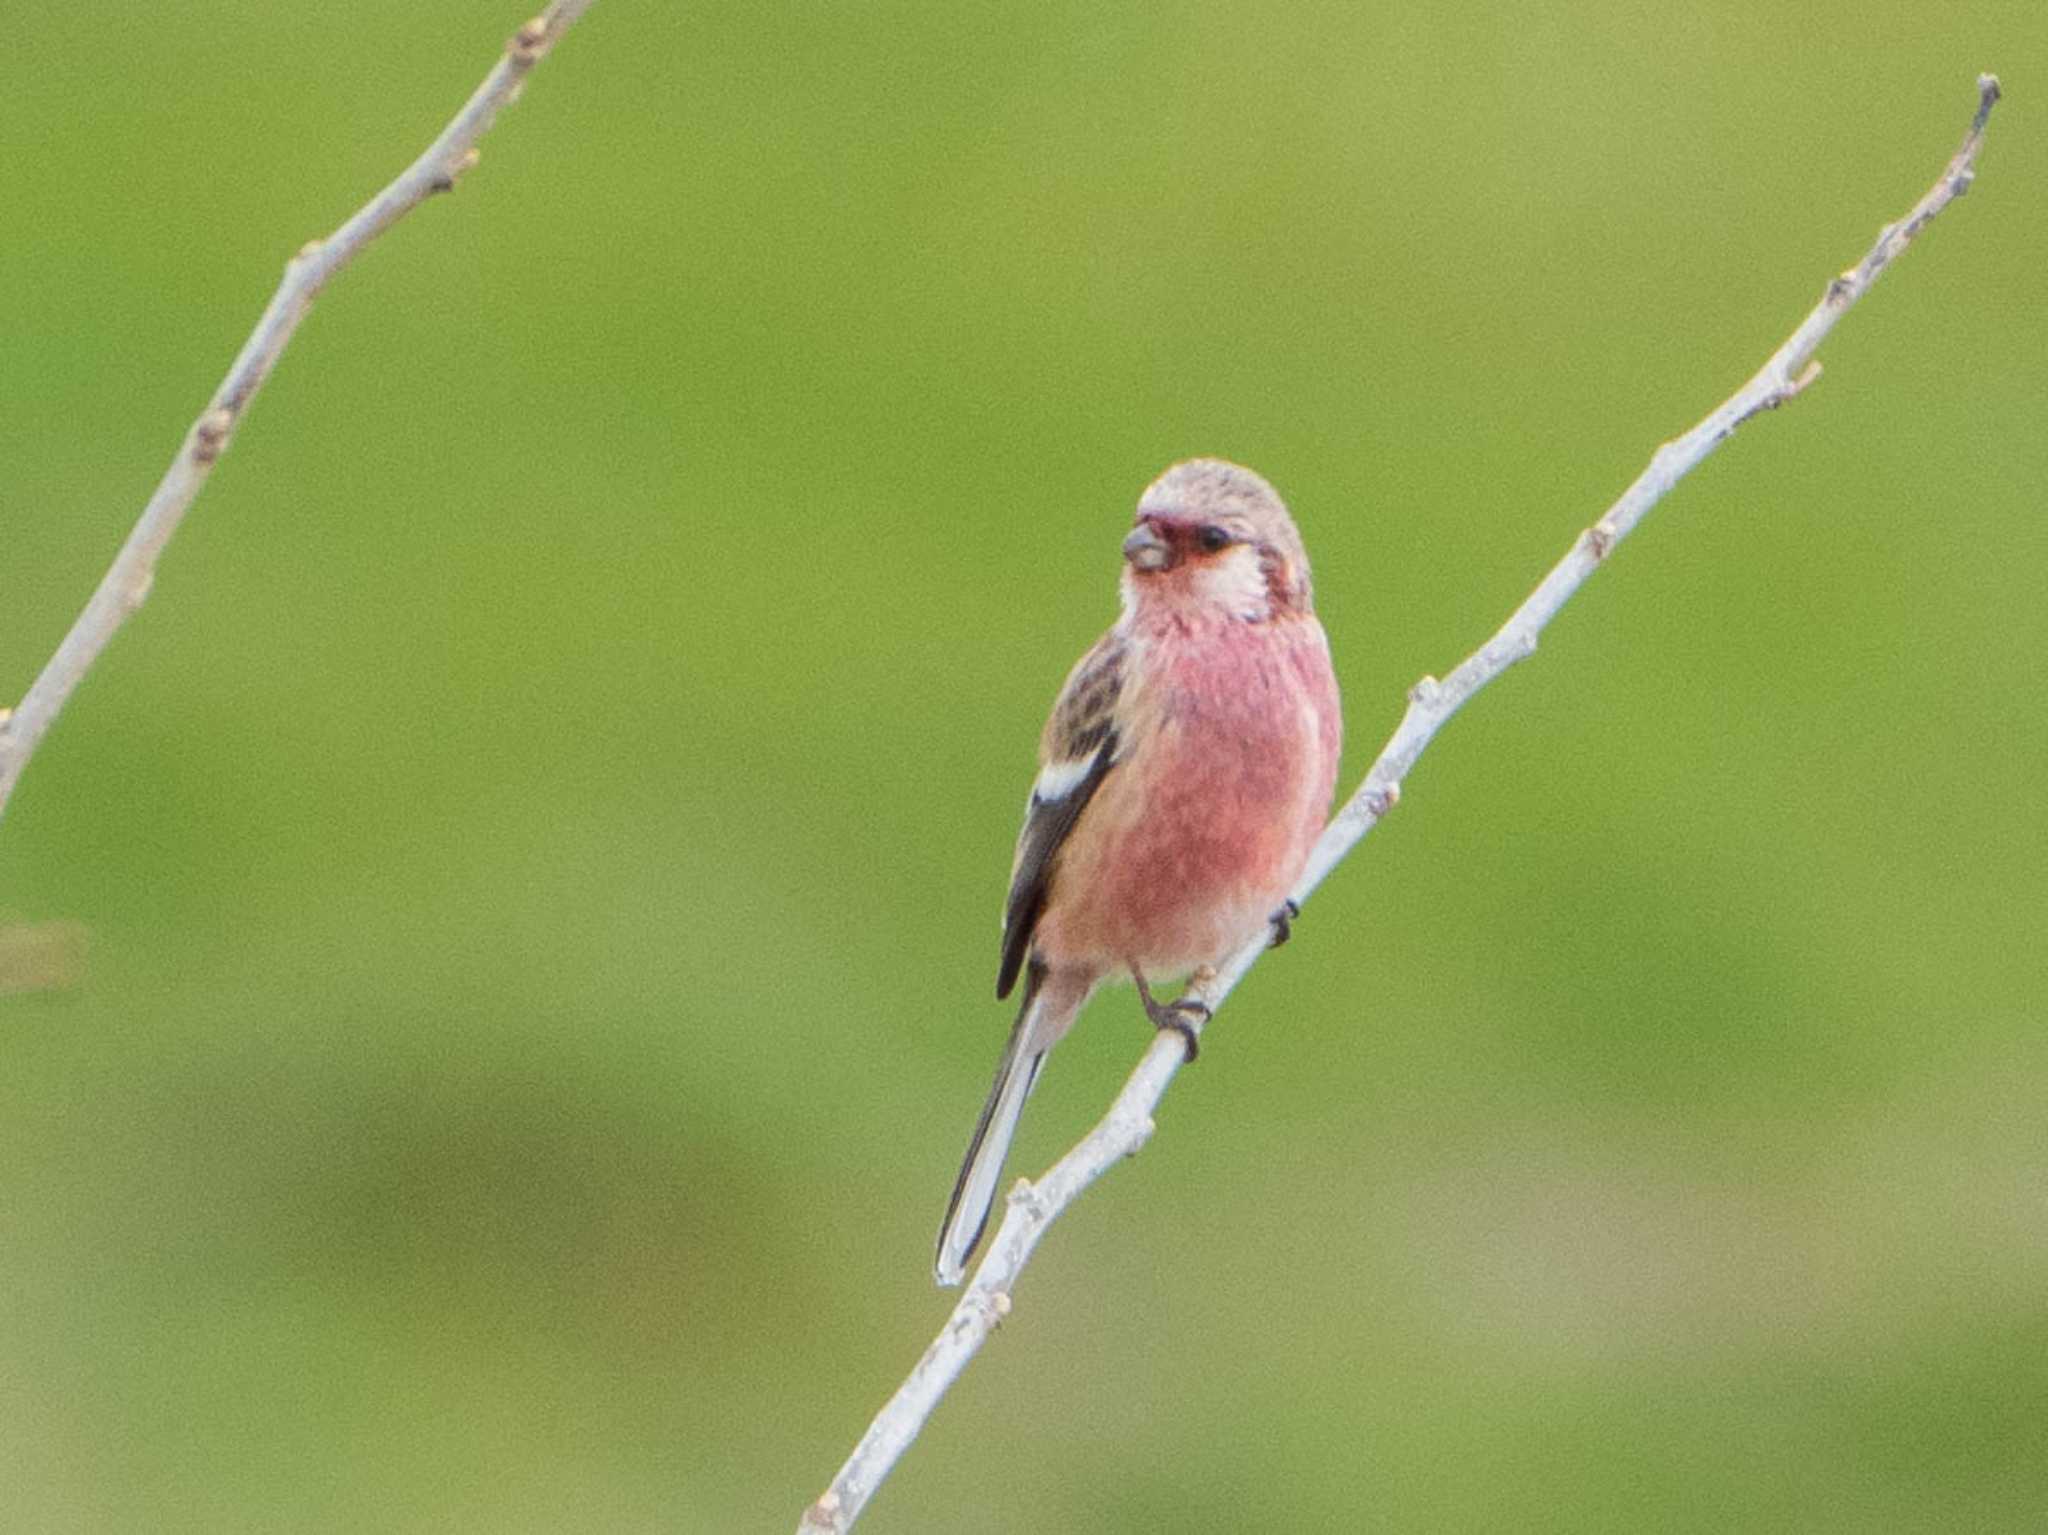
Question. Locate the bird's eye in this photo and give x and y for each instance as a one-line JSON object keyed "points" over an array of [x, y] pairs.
{"points": [[1212, 539]]}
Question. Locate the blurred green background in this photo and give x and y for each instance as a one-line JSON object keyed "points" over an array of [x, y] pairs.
{"points": [[542, 843]]}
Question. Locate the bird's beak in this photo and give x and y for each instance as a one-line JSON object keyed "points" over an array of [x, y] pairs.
{"points": [[1146, 550]]}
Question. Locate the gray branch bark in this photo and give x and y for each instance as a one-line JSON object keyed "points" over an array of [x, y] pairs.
{"points": [[127, 581], [1033, 1207]]}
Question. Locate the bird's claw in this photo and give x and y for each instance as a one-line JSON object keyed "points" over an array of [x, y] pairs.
{"points": [[1283, 923], [1185, 1017]]}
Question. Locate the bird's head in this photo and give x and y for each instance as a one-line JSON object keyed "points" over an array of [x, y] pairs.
{"points": [[1213, 538]]}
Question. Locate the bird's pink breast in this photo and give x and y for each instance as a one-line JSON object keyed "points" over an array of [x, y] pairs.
{"points": [[1206, 822]]}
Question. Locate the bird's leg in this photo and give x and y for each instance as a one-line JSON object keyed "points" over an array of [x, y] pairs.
{"points": [[1182, 1016], [1283, 923]]}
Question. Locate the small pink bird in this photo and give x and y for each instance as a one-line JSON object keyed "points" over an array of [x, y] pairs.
{"points": [[1183, 777]]}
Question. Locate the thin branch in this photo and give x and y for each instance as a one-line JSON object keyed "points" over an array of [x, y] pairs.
{"points": [[122, 590], [1033, 1207]]}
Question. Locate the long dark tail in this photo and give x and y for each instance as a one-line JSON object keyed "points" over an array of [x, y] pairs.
{"points": [[974, 1191]]}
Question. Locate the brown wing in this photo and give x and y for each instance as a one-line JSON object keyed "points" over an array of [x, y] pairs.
{"points": [[1078, 751]]}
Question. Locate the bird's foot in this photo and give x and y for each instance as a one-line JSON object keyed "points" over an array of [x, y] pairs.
{"points": [[1283, 923], [1185, 1016]]}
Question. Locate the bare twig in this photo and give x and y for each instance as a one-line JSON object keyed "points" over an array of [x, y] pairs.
{"points": [[122, 590], [1033, 1207]]}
